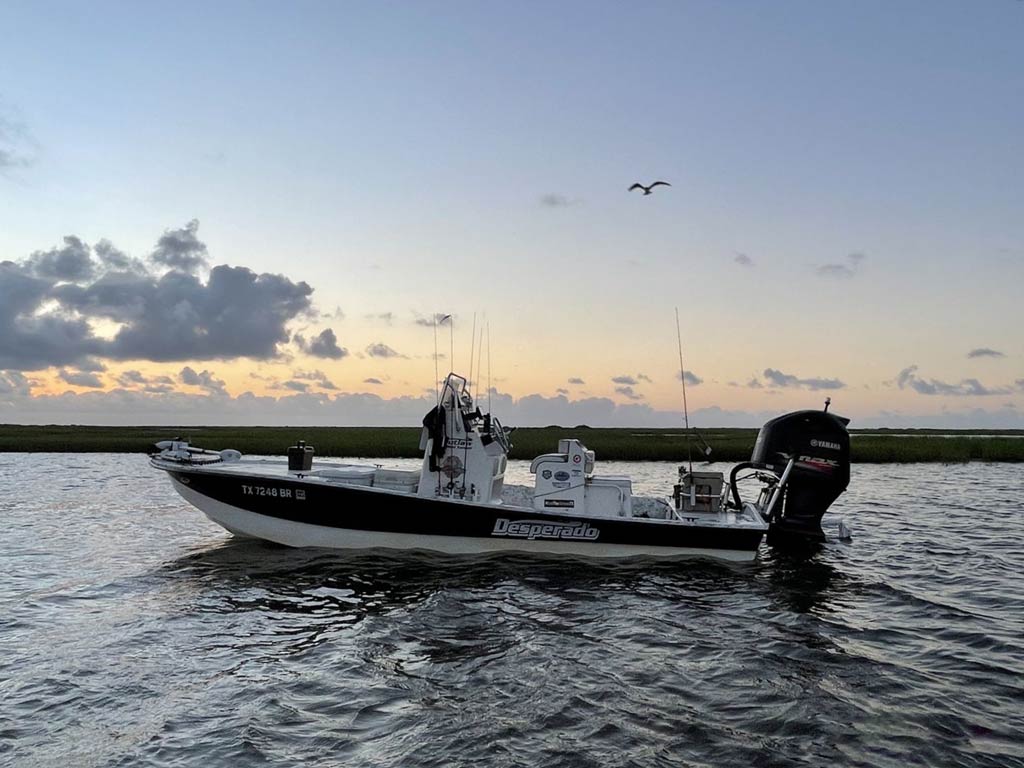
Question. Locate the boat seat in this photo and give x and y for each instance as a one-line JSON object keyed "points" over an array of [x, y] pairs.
{"points": [[397, 479], [347, 475]]}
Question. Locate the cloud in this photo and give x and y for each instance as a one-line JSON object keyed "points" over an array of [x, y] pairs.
{"points": [[50, 301], [114, 260], [777, 378], [30, 340], [554, 200], [985, 352], [628, 392], [323, 345], [385, 317], [318, 377], [372, 380], [576, 380], [14, 383], [91, 364], [908, 379], [72, 263], [429, 321], [743, 260], [130, 378], [692, 379], [381, 350], [204, 379], [562, 391], [133, 407], [81, 378], [843, 270], [181, 249], [627, 380], [644, 377], [296, 386]]}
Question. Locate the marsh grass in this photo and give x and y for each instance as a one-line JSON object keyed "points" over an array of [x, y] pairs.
{"points": [[868, 446]]}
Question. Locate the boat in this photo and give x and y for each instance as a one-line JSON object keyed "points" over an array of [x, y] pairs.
{"points": [[458, 503]]}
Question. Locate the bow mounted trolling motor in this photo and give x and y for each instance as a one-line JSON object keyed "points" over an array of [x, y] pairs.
{"points": [[809, 451]]}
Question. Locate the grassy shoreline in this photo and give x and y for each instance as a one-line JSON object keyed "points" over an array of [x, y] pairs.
{"points": [[637, 444]]}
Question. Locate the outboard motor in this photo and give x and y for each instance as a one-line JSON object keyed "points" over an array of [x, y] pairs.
{"points": [[818, 445]]}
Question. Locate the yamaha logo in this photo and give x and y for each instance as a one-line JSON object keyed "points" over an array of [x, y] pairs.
{"points": [[825, 444]]}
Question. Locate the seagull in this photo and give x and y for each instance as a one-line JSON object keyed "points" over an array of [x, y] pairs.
{"points": [[647, 189]]}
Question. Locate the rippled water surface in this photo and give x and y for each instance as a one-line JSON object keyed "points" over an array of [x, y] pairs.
{"points": [[135, 632]]}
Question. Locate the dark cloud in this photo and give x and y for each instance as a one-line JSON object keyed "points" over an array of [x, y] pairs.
{"points": [[576, 380], [561, 391], [908, 379], [323, 345], [48, 301], [627, 380], [237, 313], [73, 262], [296, 386], [842, 270], [204, 379], [91, 364], [985, 352], [554, 200], [81, 378], [131, 378], [628, 392], [779, 379], [116, 260], [181, 249], [14, 383], [372, 380], [644, 377], [381, 350], [692, 379], [384, 317], [743, 260], [318, 377], [28, 340]]}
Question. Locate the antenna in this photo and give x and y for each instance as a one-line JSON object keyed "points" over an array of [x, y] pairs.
{"points": [[488, 367], [480, 360], [472, 344], [686, 412], [437, 376], [828, 402], [451, 341]]}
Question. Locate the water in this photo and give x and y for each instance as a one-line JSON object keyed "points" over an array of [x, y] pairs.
{"points": [[134, 632]]}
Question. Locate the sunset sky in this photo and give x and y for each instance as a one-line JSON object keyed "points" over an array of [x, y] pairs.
{"points": [[248, 213]]}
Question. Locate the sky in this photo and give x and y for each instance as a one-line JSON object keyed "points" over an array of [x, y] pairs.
{"points": [[250, 213]]}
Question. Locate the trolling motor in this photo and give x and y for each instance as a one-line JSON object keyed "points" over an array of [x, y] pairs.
{"points": [[809, 453]]}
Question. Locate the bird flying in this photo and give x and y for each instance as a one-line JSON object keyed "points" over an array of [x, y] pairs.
{"points": [[649, 187]]}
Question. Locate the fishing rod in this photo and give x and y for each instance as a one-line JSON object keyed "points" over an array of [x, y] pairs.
{"points": [[686, 411], [690, 431]]}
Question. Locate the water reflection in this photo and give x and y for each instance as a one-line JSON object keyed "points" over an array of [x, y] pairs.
{"points": [[341, 587]]}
